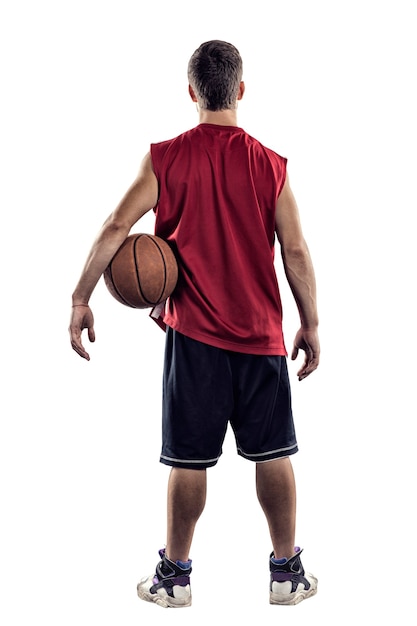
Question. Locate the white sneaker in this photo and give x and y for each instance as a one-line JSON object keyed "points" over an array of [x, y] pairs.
{"points": [[169, 586], [290, 584]]}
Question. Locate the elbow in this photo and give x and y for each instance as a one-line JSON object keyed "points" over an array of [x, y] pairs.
{"points": [[296, 259], [115, 226], [296, 250]]}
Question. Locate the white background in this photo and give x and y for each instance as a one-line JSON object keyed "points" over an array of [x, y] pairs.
{"points": [[86, 86]]}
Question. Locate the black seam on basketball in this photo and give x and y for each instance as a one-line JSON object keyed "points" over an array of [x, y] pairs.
{"points": [[122, 299], [145, 299], [165, 268]]}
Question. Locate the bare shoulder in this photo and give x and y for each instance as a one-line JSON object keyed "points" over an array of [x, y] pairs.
{"points": [[146, 171]]}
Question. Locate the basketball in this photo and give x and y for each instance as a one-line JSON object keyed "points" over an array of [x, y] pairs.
{"points": [[143, 272]]}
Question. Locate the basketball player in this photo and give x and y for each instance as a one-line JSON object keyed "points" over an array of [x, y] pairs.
{"points": [[220, 199]]}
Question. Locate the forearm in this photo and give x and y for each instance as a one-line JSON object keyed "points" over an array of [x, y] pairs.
{"points": [[300, 274], [108, 241]]}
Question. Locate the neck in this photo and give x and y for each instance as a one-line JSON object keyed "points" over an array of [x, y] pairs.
{"points": [[228, 117]]}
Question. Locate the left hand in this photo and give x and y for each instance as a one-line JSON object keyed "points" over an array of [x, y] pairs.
{"points": [[81, 318]]}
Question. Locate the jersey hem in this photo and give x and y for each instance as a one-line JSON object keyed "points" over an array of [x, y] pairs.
{"points": [[224, 344]]}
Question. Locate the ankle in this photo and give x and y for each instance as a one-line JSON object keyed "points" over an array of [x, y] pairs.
{"points": [[182, 563], [284, 553]]}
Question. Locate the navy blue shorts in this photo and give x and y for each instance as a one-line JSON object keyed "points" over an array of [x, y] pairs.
{"points": [[206, 388]]}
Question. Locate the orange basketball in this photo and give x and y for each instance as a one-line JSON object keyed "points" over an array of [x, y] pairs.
{"points": [[143, 272]]}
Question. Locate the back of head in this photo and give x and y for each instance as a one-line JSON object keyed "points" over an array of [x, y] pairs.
{"points": [[215, 73]]}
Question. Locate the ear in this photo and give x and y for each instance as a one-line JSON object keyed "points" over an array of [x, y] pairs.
{"points": [[192, 94], [241, 90]]}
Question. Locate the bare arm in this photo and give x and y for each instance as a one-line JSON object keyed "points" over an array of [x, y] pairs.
{"points": [[299, 271], [139, 199]]}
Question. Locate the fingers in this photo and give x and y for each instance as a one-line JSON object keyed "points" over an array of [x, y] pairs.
{"points": [[80, 350], [77, 345], [307, 340], [91, 335], [311, 362], [81, 318], [309, 366]]}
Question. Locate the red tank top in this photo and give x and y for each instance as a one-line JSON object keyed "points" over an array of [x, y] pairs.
{"points": [[218, 189]]}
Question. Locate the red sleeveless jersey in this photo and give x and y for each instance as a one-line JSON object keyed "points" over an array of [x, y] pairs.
{"points": [[218, 189]]}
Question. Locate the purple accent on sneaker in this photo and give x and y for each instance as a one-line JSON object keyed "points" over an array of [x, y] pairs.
{"points": [[155, 580], [181, 580], [279, 561], [281, 577]]}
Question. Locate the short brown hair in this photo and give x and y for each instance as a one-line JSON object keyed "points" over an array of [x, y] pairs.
{"points": [[215, 72]]}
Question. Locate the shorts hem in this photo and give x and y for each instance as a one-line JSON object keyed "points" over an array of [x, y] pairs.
{"points": [[269, 456], [188, 464]]}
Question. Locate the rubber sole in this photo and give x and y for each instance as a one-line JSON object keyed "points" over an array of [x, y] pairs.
{"points": [[165, 601]]}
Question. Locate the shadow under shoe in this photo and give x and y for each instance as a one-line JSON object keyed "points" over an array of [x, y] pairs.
{"points": [[170, 586], [290, 584]]}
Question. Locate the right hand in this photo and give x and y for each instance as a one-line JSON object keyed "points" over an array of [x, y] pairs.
{"points": [[81, 318], [308, 341]]}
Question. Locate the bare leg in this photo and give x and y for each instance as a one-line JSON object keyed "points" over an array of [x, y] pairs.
{"points": [[186, 500], [276, 491]]}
